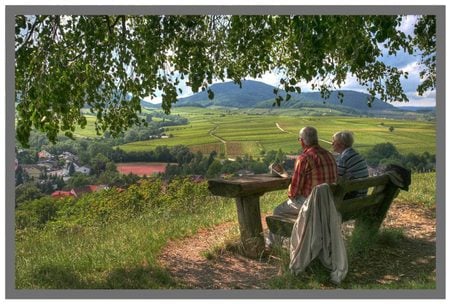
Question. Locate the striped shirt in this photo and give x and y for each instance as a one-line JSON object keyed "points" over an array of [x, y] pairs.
{"points": [[313, 167], [351, 165]]}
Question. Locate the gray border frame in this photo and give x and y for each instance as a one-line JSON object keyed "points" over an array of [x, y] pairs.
{"points": [[12, 293]]}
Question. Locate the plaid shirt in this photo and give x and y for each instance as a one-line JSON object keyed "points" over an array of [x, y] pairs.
{"points": [[313, 167]]}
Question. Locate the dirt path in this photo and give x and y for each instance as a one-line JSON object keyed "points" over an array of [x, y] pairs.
{"points": [[281, 129], [185, 259], [212, 132]]}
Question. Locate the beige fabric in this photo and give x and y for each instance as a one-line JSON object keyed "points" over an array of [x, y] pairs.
{"points": [[317, 232]]}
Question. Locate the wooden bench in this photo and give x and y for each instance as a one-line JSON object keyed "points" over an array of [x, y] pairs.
{"points": [[247, 190], [367, 211]]}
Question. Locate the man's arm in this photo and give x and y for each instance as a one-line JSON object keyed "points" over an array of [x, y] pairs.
{"points": [[296, 177]]}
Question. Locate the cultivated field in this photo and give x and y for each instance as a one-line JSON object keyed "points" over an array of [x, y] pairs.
{"points": [[234, 132], [141, 168]]}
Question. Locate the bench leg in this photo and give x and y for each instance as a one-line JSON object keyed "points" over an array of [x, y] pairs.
{"points": [[249, 217], [370, 223]]}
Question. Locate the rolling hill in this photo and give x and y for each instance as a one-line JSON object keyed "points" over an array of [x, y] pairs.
{"points": [[254, 94]]}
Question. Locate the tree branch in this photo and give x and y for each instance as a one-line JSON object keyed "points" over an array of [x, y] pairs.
{"points": [[124, 28], [30, 33]]}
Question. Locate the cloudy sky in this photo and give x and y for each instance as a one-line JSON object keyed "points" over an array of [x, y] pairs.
{"points": [[402, 61]]}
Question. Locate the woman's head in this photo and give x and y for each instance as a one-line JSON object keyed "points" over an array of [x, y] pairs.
{"points": [[342, 140]]}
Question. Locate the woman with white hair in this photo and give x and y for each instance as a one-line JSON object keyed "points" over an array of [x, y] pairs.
{"points": [[350, 164]]}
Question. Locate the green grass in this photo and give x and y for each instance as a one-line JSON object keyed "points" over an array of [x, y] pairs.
{"points": [[422, 190], [80, 250], [229, 242], [111, 241], [89, 130], [259, 132], [255, 130]]}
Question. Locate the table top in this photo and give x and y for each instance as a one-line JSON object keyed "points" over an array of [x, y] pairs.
{"points": [[247, 185]]}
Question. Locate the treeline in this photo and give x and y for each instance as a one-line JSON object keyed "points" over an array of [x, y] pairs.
{"points": [[154, 129], [189, 163], [387, 153]]}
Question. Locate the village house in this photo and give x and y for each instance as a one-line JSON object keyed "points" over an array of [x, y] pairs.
{"points": [[58, 172], [60, 193], [88, 189], [49, 164], [33, 171], [68, 157], [77, 192], [45, 155], [82, 169], [64, 172]]}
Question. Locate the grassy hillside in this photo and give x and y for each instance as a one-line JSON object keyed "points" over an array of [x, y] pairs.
{"points": [[255, 94], [111, 240], [237, 132]]}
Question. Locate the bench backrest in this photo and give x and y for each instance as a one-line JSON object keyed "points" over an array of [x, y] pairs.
{"points": [[370, 209], [382, 190]]}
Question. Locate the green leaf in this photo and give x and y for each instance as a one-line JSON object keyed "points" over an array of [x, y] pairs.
{"points": [[210, 94]]}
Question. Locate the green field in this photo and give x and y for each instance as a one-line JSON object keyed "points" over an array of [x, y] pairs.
{"points": [[89, 131], [236, 132], [247, 133]]}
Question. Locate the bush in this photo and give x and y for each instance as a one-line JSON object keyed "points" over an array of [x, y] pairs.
{"points": [[151, 196], [386, 153], [27, 192], [381, 151], [38, 212]]}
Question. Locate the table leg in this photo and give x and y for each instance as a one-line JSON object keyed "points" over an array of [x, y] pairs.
{"points": [[249, 217]]}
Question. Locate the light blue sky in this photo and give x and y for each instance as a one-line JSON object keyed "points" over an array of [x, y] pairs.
{"points": [[404, 61]]}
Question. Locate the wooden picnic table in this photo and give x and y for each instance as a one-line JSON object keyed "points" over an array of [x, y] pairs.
{"points": [[247, 191]]}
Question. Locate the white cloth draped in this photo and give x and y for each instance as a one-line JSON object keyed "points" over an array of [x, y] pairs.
{"points": [[317, 232]]}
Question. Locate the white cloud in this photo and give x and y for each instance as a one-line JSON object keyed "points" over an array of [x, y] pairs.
{"points": [[407, 25], [412, 68], [155, 100], [270, 78], [422, 102]]}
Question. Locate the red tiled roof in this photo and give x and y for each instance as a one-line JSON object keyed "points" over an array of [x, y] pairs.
{"points": [[92, 188], [60, 193], [88, 189]]}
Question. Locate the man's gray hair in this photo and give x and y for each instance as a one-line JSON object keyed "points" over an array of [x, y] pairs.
{"points": [[345, 138], [309, 136]]}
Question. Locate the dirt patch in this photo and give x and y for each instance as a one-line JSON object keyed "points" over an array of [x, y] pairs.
{"points": [[187, 259], [408, 258], [141, 168]]}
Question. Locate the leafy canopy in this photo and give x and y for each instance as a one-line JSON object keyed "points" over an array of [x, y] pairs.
{"points": [[109, 63]]}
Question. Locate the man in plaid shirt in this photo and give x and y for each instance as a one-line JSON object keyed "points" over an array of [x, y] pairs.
{"points": [[313, 166]]}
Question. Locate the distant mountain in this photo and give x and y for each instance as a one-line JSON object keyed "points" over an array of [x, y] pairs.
{"points": [[147, 104], [254, 94], [418, 109], [143, 103], [228, 94]]}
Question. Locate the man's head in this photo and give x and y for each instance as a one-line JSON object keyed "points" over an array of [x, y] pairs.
{"points": [[342, 140], [308, 136]]}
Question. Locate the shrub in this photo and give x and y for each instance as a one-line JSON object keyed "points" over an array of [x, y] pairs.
{"points": [[381, 151], [38, 212]]}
